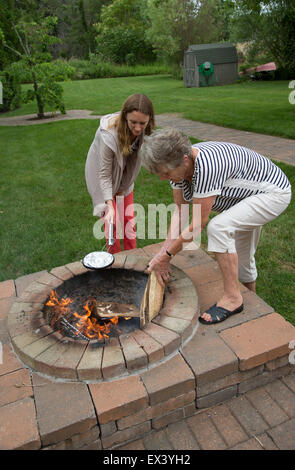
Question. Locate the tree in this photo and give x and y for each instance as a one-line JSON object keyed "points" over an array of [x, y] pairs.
{"points": [[35, 38], [121, 32], [172, 27], [270, 27], [75, 27], [176, 24], [10, 13]]}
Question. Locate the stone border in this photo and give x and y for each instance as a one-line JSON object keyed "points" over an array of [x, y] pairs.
{"points": [[32, 119], [51, 354]]}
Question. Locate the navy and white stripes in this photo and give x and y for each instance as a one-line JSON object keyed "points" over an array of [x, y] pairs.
{"points": [[231, 173]]}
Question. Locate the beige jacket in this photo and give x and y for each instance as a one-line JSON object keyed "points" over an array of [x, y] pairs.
{"points": [[107, 172]]}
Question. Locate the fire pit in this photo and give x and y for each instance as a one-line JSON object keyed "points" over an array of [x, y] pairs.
{"points": [[84, 325], [97, 305]]}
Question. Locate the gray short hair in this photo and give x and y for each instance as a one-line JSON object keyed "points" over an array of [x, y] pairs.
{"points": [[164, 147]]}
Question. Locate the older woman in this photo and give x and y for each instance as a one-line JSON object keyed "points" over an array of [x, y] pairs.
{"points": [[245, 188], [112, 165]]}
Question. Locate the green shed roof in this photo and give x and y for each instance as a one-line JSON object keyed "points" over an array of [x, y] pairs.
{"points": [[218, 53]]}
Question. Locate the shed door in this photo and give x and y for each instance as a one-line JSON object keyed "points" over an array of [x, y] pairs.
{"points": [[190, 70]]}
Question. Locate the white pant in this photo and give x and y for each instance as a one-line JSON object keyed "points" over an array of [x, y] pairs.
{"points": [[237, 230]]}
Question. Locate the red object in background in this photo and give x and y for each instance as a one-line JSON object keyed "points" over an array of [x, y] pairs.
{"points": [[263, 68]]}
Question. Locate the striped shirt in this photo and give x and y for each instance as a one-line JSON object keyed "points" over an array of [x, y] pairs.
{"points": [[231, 173]]}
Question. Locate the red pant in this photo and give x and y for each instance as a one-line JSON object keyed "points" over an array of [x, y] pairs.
{"points": [[124, 213]]}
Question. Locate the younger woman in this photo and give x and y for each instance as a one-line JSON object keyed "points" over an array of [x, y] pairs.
{"points": [[113, 164]]}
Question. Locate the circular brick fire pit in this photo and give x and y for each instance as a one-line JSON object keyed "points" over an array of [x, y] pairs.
{"points": [[84, 307], [131, 348]]}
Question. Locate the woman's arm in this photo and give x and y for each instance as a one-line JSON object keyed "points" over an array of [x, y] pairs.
{"points": [[198, 223], [161, 262], [106, 180], [106, 171], [179, 219]]}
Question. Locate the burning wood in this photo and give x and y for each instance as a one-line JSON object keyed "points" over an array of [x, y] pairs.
{"points": [[89, 325], [97, 320], [60, 308], [111, 309], [72, 329]]}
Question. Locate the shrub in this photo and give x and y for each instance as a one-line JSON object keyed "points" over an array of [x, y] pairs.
{"points": [[49, 94], [11, 90], [118, 43], [130, 59], [96, 68], [177, 72], [284, 74], [83, 69], [57, 70]]}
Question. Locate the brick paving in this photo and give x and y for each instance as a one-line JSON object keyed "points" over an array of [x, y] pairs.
{"points": [[261, 419], [277, 148]]}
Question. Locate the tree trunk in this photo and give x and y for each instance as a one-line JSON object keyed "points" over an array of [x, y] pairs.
{"points": [[41, 114]]}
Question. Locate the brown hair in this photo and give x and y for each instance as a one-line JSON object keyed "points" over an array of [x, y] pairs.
{"points": [[136, 102]]}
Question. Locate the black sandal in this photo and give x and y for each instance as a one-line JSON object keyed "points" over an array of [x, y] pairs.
{"points": [[219, 314]]}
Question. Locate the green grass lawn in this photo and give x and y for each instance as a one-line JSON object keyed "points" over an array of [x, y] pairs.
{"points": [[46, 212], [255, 106]]}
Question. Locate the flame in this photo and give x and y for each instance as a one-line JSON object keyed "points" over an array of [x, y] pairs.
{"points": [[87, 324], [60, 307], [90, 327]]}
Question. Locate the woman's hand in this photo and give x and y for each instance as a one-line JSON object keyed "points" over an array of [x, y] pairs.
{"points": [[109, 215], [161, 265]]}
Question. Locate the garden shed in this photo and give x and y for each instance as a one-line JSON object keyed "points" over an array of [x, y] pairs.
{"points": [[210, 64]]}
